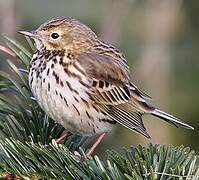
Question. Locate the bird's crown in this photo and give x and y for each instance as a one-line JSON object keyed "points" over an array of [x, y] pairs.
{"points": [[63, 33]]}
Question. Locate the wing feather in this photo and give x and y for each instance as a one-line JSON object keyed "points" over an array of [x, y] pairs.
{"points": [[112, 91], [110, 96], [132, 120]]}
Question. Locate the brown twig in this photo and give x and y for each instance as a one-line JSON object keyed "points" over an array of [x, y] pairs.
{"points": [[7, 51]]}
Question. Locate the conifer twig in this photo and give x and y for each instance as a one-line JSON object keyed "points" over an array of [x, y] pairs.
{"points": [[7, 51]]}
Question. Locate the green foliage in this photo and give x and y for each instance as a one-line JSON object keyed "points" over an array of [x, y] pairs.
{"points": [[57, 162], [27, 148]]}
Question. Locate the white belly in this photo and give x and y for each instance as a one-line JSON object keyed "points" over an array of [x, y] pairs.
{"points": [[64, 99]]}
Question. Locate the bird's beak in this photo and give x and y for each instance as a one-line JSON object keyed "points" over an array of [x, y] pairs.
{"points": [[31, 34]]}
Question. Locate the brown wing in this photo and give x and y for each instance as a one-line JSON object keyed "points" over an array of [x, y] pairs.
{"points": [[102, 67], [112, 91]]}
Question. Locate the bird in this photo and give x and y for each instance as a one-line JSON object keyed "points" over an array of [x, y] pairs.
{"points": [[83, 83]]}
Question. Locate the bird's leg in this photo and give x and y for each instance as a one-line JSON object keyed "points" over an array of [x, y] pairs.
{"points": [[99, 139], [63, 135]]}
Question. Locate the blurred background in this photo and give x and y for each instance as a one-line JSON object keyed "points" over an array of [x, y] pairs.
{"points": [[160, 39]]}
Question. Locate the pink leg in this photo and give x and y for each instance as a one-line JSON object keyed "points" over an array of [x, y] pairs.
{"points": [[99, 139], [64, 134]]}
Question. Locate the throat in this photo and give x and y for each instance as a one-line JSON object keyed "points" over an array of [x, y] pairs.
{"points": [[61, 56]]}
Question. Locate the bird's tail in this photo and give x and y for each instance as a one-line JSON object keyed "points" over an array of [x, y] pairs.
{"points": [[171, 119]]}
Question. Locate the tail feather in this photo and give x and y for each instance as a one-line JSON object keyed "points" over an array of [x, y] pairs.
{"points": [[171, 119]]}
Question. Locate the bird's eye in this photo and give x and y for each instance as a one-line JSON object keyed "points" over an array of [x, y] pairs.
{"points": [[54, 35]]}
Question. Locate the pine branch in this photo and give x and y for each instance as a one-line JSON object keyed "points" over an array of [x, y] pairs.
{"points": [[27, 148], [57, 162]]}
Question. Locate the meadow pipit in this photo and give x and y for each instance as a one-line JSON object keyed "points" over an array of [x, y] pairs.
{"points": [[83, 83]]}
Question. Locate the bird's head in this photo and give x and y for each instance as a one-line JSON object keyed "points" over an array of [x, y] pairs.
{"points": [[62, 33]]}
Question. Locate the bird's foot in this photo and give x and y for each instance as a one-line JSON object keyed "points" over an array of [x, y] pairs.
{"points": [[93, 147], [64, 134]]}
